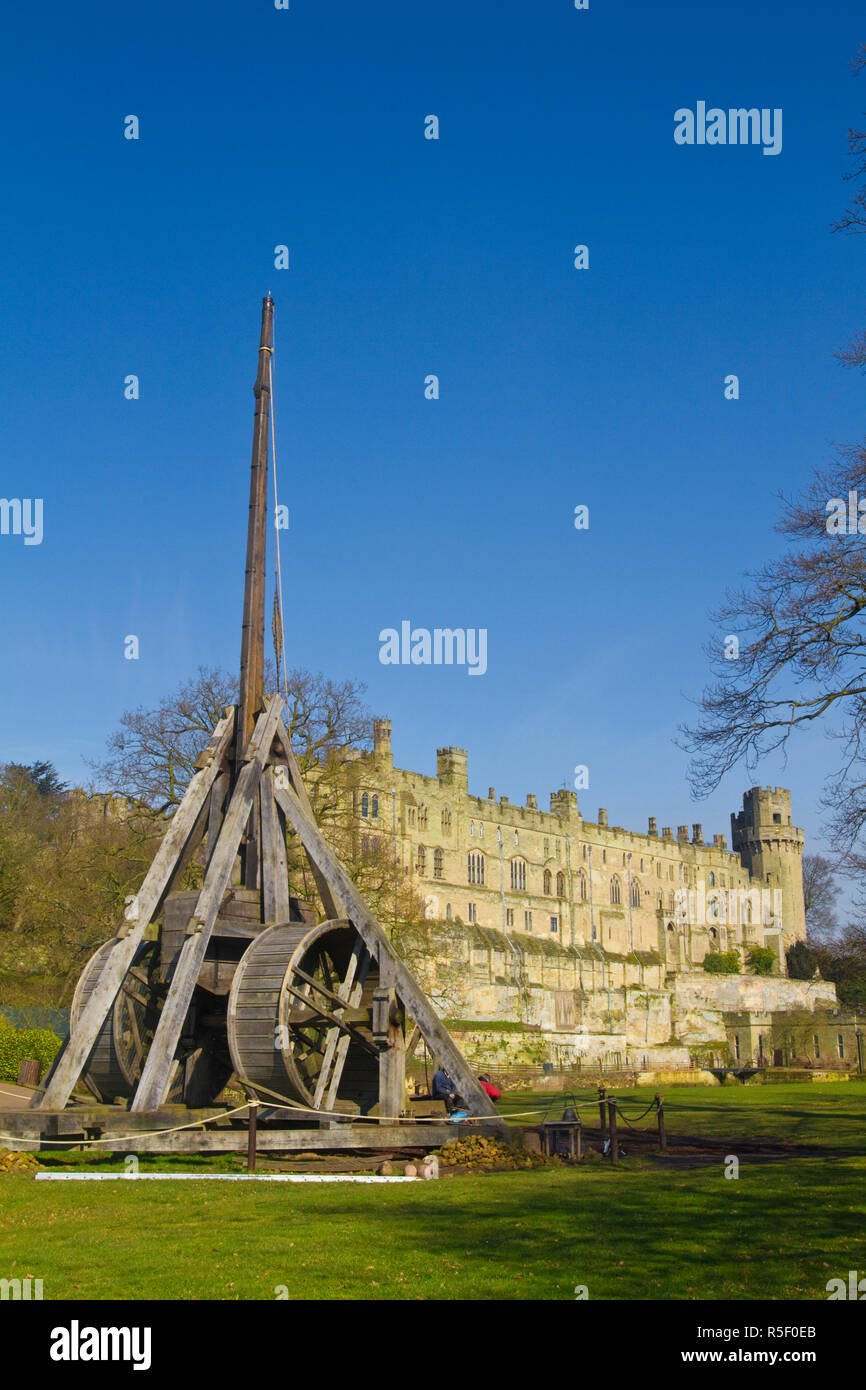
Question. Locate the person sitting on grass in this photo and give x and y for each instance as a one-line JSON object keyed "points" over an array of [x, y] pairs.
{"points": [[490, 1087]]}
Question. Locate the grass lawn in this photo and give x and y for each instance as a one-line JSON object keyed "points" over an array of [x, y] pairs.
{"points": [[637, 1232]]}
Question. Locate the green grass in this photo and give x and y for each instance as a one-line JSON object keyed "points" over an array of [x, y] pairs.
{"points": [[829, 1113], [636, 1232]]}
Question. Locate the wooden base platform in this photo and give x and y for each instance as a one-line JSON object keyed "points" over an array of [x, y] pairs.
{"points": [[124, 1131]]}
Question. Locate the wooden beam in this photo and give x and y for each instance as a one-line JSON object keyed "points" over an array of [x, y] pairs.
{"points": [[334, 1034], [153, 1086], [392, 1059], [296, 783], [352, 905], [275, 874], [141, 911], [342, 1049]]}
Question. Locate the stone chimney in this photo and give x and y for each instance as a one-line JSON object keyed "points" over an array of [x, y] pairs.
{"points": [[602, 815], [697, 834], [653, 827]]}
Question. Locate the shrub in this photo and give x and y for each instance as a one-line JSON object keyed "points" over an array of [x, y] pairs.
{"points": [[722, 963], [761, 960], [17, 1044], [801, 961]]}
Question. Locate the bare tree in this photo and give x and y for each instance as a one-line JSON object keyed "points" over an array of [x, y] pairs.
{"points": [[820, 892], [151, 757]]}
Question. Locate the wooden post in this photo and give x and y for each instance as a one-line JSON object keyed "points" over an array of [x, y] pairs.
{"points": [[611, 1125], [663, 1138], [578, 1144], [253, 1115], [29, 1072], [601, 1108]]}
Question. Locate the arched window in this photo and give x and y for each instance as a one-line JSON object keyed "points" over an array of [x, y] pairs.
{"points": [[672, 902], [374, 807], [365, 805], [748, 909], [635, 893], [623, 860], [581, 881], [516, 841], [661, 902], [714, 935], [472, 827], [438, 863], [447, 912], [446, 818], [480, 830], [475, 868], [615, 891], [714, 908], [560, 885], [712, 879], [518, 875], [548, 881], [422, 859]]}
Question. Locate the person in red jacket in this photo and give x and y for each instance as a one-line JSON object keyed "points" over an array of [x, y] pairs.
{"points": [[492, 1090]]}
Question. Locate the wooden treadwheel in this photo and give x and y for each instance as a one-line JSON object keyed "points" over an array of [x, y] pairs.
{"points": [[299, 1017]]}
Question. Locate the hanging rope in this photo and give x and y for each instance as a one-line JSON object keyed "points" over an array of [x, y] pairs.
{"points": [[278, 623]]}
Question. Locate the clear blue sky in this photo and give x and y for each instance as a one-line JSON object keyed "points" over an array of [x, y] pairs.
{"points": [[410, 257]]}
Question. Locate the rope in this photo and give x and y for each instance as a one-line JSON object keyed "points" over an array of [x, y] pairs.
{"points": [[278, 590], [113, 1138]]}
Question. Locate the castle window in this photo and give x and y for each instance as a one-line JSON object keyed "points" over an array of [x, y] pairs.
{"points": [[438, 863], [480, 831], [737, 1047], [509, 917], [365, 805], [547, 882], [777, 819], [516, 841], [472, 827], [365, 847], [714, 935], [374, 807], [447, 912], [473, 916], [560, 885], [721, 880], [641, 866], [422, 859], [581, 885], [635, 893], [615, 891], [527, 921], [518, 875], [422, 818], [816, 1046], [714, 908], [475, 868], [659, 869], [583, 847], [446, 818], [410, 815], [712, 879], [672, 901], [554, 924], [624, 861], [547, 849], [604, 856], [661, 901], [556, 850], [840, 1044]]}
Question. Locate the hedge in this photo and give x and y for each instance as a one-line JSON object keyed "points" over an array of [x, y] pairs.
{"points": [[17, 1044]]}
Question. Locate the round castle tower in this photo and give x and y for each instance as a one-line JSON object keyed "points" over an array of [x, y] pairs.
{"points": [[771, 848]]}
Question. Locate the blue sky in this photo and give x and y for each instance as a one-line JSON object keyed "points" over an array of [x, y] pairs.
{"points": [[557, 387]]}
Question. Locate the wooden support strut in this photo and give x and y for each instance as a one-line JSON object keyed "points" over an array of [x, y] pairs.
{"points": [[155, 1077], [350, 904], [71, 1060]]}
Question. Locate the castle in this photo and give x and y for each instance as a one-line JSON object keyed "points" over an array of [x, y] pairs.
{"points": [[593, 937]]}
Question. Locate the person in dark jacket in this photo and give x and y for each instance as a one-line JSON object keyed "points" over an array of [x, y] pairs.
{"points": [[444, 1089]]}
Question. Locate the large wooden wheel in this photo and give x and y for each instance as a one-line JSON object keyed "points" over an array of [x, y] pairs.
{"points": [[117, 1059], [299, 1017]]}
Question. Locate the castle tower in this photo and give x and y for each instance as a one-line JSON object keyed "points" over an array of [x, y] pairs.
{"points": [[771, 848], [382, 741], [452, 768]]}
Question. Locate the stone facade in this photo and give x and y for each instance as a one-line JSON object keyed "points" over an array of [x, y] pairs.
{"points": [[587, 933]]}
